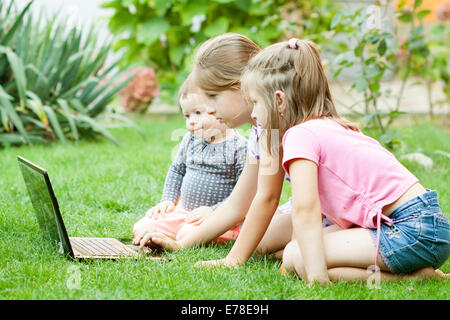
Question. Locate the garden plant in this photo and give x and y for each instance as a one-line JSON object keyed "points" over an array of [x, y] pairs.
{"points": [[54, 80]]}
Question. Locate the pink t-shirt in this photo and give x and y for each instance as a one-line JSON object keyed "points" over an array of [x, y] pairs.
{"points": [[357, 177]]}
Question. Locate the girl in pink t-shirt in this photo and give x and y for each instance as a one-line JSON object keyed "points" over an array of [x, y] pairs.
{"points": [[379, 208]]}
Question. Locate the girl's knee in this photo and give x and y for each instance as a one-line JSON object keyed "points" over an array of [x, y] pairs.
{"points": [[292, 259], [288, 256]]}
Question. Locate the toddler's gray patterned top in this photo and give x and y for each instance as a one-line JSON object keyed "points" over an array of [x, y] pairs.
{"points": [[204, 174]]}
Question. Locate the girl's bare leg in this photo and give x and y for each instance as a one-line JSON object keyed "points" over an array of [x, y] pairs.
{"points": [[357, 274], [350, 255], [279, 234]]}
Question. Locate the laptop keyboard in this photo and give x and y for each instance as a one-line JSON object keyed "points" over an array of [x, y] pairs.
{"points": [[98, 247]]}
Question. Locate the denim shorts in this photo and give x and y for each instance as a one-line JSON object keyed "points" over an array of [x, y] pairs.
{"points": [[419, 237]]}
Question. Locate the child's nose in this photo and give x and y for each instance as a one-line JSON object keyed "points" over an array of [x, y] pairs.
{"points": [[211, 110]]}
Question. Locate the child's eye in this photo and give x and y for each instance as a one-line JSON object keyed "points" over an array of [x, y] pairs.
{"points": [[212, 95], [198, 112], [186, 116]]}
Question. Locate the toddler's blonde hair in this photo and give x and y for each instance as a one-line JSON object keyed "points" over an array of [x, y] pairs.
{"points": [[220, 61], [186, 87], [299, 74]]}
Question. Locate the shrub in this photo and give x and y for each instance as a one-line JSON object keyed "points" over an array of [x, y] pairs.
{"points": [[51, 80], [165, 33], [424, 51], [376, 49]]}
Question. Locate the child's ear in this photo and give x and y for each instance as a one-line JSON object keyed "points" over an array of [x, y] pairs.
{"points": [[281, 101]]}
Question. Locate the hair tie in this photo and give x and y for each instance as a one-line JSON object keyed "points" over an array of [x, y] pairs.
{"points": [[293, 43]]}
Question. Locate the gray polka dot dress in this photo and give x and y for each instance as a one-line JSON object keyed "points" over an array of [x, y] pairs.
{"points": [[203, 173]]}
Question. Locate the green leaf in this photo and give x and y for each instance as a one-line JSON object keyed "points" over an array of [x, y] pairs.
{"points": [[96, 126], [405, 17], [66, 112], [422, 14], [336, 20], [18, 71], [244, 5], [338, 71], [17, 23], [395, 113], [192, 9], [382, 47], [151, 30], [161, 6], [370, 117], [126, 3], [8, 107], [11, 138], [372, 72], [98, 105], [360, 84], [390, 139], [176, 54], [374, 86], [417, 3], [55, 123], [373, 37], [35, 104], [219, 26], [358, 50]]}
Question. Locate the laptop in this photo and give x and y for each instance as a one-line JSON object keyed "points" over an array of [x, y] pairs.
{"points": [[51, 223]]}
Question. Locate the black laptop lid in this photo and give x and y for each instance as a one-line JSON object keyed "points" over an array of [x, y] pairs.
{"points": [[45, 204]]}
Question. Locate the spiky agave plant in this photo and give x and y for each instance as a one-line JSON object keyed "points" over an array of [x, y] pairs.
{"points": [[53, 80]]}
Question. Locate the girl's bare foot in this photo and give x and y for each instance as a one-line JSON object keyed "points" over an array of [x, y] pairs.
{"points": [[428, 273], [442, 274]]}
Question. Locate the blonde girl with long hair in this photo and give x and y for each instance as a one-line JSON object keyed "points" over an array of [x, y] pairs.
{"points": [[388, 221]]}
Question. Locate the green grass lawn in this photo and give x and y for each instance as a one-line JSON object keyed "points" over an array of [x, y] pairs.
{"points": [[103, 189]]}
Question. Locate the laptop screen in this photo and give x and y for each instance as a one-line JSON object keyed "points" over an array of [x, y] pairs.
{"points": [[45, 205]]}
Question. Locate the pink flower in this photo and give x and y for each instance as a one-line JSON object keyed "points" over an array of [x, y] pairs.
{"points": [[443, 11], [137, 94]]}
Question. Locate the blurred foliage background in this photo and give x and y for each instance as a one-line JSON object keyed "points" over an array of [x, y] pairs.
{"points": [[371, 42], [165, 33], [56, 82]]}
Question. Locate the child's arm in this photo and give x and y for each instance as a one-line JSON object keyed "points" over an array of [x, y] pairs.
{"points": [[175, 175], [262, 209], [307, 219]]}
